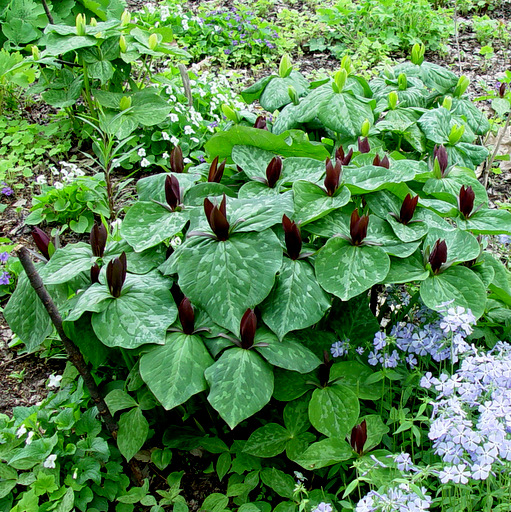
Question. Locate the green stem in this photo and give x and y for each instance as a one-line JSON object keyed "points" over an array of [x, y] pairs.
{"points": [[88, 95], [403, 312]]}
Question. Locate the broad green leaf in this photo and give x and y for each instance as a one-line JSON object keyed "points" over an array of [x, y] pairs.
{"points": [[241, 383], [312, 202], [488, 222], [381, 232], [353, 375], [346, 270], [132, 433], [458, 284], [290, 385], [215, 502], [334, 410], [354, 320], [153, 187], [405, 270], [67, 263], [372, 177], [226, 278], [256, 190], [484, 271], [147, 224], [117, 400], [175, 371], [288, 353], [8, 479], [296, 301], [267, 441], [253, 161], [325, 453], [437, 123], [31, 454], [279, 481], [309, 169], [59, 45], [461, 245], [475, 117], [95, 299], [296, 416], [376, 429], [275, 95], [448, 188], [195, 195]]}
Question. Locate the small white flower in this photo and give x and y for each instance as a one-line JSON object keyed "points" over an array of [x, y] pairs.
{"points": [[49, 463], [116, 224], [75, 473], [58, 185], [28, 440], [141, 152], [54, 381], [21, 431], [41, 180], [145, 162], [189, 130], [175, 242], [174, 118], [174, 140], [165, 155], [184, 23], [194, 139], [187, 161]]}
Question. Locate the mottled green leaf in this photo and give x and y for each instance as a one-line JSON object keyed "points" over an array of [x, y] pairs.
{"points": [[132, 433], [325, 453], [267, 441]]}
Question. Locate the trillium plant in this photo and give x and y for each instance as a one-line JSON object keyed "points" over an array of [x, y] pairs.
{"points": [[230, 281]]}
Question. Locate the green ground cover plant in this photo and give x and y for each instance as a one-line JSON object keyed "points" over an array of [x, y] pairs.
{"points": [[313, 308]]}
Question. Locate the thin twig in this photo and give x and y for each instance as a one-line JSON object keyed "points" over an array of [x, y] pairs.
{"points": [[73, 353], [47, 11], [487, 169], [186, 83], [456, 35]]}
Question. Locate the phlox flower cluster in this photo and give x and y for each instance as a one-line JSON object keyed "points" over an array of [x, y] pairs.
{"points": [[395, 499], [440, 337], [471, 421], [4, 276]]}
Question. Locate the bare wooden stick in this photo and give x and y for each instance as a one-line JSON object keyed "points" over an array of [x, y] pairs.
{"points": [[73, 353], [47, 11], [487, 169], [186, 83]]}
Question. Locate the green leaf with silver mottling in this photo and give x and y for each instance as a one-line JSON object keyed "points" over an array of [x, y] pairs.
{"points": [[346, 270], [132, 433], [175, 371], [461, 245], [372, 177], [334, 410], [94, 299], [376, 429], [225, 278], [253, 161], [408, 232], [296, 415], [381, 232], [147, 224], [152, 188], [290, 385], [354, 375], [312, 202], [241, 383], [256, 189], [288, 353], [282, 483], [484, 271], [67, 263], [354, 320], [405, 270], [448, 188], [296, 301], [325, 453], [267, 441], [195, 196], [458, 284], [488, 222], [309, 169]]}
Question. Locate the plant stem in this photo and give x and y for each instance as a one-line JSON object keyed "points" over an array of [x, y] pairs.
{"points": [[186, 83], [73, 353], [47, 11], [487, 169]]}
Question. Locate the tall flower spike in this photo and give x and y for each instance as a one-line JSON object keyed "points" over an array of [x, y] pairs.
{"points": [[216, 171], [98, 236], [273, 171], [186, 316], [333, 175], [438, 255], [408, 209], [440, 155], [345, 159], [260, 123], [116, 274], [176, 160], [358, 227], [248, 327], [217, 218], [42, 241], [293, 237], [466, 201], [172, 192], [359, 437], [363, 145]]}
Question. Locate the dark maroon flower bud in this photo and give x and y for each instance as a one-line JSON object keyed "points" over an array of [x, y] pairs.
{"points": [[260, 123], [216, 171], [359, 437], [176, 160], [438, 255], [42, 241], [98, 236], [94, 273], [363, 145], [248, 327], [502, 90], [466, 201], [116, 274], [440, 154], [217, 218], [273, 171], [333, 175], [358, 227], [384, 162], [324, 369], [293, 237], [408, 209], [345, 159], [186, 316], [172, 192]]}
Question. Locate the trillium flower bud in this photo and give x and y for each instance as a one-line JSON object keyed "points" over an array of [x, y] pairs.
{"points": [[393, 100], [358, 227], [466, 201], [217, 218], [384, 162], [285, 66], [97, 239], [363, 145], [93, 22], [324, 369], [80, 25], [186, 316], [125, 103], [366, 126], [35, 52], [408, 209], [176, 160], [502, 89], [273, 171], [123, 45], [456, 134], [248, 327], [441, 161], [172, 192], [125, 18], [152, 42], [447, 103], [116, 274], [438, 256], [461, 86], [359, 437], [344, 159], [418, 51], [216, 171], [94, 273], [42, 241], [292, 237], [260, 123], [402, 82], [333, 175], [293, 95]]}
